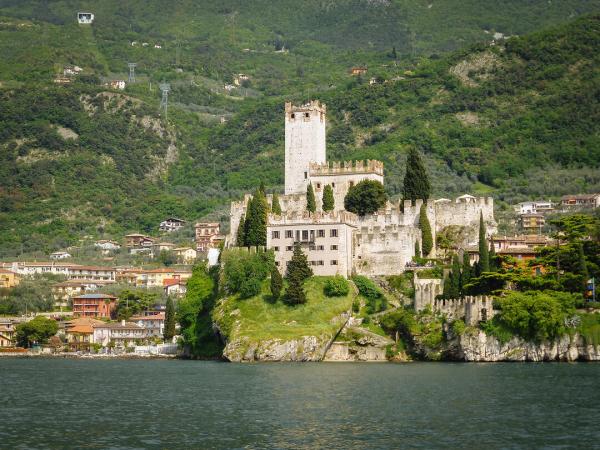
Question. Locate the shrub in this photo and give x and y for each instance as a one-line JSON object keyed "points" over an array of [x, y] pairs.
{"points": [[336, 287], [365, 197], [244, 271], [376, 301], [458, 327]]}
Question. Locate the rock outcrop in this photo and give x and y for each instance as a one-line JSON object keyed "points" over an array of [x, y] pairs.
{"points": [[306, 348], [477, 346]]}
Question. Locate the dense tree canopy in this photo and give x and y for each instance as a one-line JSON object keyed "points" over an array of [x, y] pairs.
{"points": [[365, 197]]}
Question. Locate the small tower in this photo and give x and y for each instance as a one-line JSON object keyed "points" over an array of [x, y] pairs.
{"points": [[304, 143]]}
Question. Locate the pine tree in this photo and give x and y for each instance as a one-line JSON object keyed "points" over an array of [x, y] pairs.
{"points": [[298, 265], [447, 293], [256, 220], [262, 189], [581, 266], [484, 257], [417, 249], [276, 284], [328, 200], [169, 330], [416, 180], [426, 236], [275, 206], [295, 294], [241, 233], [311, 204]]}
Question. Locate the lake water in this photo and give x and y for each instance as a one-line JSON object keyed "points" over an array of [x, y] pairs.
{"points": [[126, 404]]}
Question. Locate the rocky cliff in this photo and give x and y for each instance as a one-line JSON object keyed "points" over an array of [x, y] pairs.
{"points": [[477, 346]]}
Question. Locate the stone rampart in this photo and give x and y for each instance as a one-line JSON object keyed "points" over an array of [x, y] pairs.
{"points": [[346, 167], [473, 309]]}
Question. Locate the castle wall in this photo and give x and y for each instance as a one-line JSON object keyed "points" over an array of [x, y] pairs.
{"points": [[304, 143], [466, 213], [473, 309], [426, 290]]}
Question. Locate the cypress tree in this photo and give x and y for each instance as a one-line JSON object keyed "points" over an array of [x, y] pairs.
{"points": [[241, 233], [493, 259], [466, 272], [426, 236], [298, 265], [275, 206], [416, 180], [417, 250], [484, 257], [455, 279], [581, 266], [294, 294], [256, 220], [328, 199], [447, 293], [169, 330], [276, 283], [311, 204]]}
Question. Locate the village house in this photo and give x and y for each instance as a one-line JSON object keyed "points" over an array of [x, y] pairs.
{"points": [[96, 306], [520, 241], [60, 79], [117, 84], [72, 70], [207, 235], [580, 201], [80, 333], [60, 255], [532, 222], [138, 240], [154, 324], [151, 277], [121, 334], [85, 18], [35, 268], [240, 78], [107, 245], [67, 289], [8, 279], [171, 224], [535, 207], [7, 333], [358, 70], [94, 273], [162, 247], [185, 255], [174, 287]]}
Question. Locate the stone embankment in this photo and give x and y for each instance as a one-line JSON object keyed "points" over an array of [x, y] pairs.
{"points": [[477, 346]]}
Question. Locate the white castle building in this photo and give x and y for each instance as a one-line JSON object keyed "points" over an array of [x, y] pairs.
{"points": [[340, 242]]}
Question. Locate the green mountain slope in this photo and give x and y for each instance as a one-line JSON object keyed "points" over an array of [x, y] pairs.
{"points": [[80, 159]]}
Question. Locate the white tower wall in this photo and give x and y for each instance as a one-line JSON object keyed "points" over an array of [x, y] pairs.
{"points": [[304, 143]]}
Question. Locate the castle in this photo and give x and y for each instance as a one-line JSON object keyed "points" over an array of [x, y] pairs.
{"points": [[340, 242]]}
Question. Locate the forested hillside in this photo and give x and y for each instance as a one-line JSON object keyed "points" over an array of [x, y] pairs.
{"points": [[513, 118]]}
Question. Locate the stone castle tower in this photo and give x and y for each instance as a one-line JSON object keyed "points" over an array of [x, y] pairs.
{"points": [[304, 143]]}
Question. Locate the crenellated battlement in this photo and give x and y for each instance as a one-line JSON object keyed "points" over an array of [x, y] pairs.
{"points": [[346, 167], [474, 309], [314, 106], [304, 217]]}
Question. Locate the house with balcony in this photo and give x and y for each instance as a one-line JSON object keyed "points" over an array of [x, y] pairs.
{"points": [[154, 324], [171, 224], [121, 334], [96, 306]]}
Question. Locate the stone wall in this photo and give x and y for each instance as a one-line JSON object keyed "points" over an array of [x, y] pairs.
{"points": [[426, 291], [473, 309]]}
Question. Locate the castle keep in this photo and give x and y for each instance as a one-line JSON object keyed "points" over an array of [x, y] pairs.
{"points": [[340, 242]]}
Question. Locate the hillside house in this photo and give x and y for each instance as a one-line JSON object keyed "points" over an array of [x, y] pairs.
{"points": [[85, 18], [171, 224], [95, 273], [175, 287], [358, 70], [207, 235], [95, 306], [580, 201], [107, 245], [9, 279], [162, 247], [80, 333], [60, 255], [122, 334], [70, 71], [240, 78], [535, 207], [185, 255], [7, 333], [138, 240], [117, 84], [531, 222], [67, 289]]}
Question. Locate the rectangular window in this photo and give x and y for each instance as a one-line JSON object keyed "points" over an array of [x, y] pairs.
{"points": [[321, 263], [334, 262], [311, 247], [289, 234], [318, 185], [334, 247], [297, 235], [289, 248], [305, 175], [275, 235], [276, 249], [333, 232], [305, 235], [321, 247], [320, 233], [332, 185]]}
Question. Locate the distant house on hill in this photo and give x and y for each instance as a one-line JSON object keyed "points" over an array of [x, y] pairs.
{"points": [[8, 278], [107, 245], [138, 240], [535, 207], [358, 70], [60, 255], [186, 255], [85, 18], [171, 224], [580, 201], [207, 235], [175, 287], [117, 84]]}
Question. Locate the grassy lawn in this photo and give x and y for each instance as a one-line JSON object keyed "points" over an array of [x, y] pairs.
{"points": [[261, 319]]}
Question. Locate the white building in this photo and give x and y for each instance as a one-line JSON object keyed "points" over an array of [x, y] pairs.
{"points": [[121, 334], [339, 242], [107, 245], [60, 255], [85, 18], [153, 324], [535, 207], [186, 255], [171, 224]]}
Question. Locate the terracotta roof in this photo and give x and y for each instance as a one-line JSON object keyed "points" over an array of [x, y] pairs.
{"points": [[94, 268], [159, 316], [81, 329], [516, 251], [127, 325], [7, 271]]}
